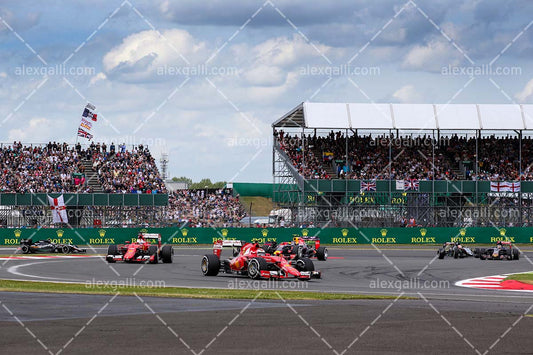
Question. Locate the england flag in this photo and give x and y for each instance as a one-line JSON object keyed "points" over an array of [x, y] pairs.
{"points": [[59, 210]]}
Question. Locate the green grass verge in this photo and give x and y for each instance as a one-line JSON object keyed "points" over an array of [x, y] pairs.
{"points": [[177, 292], [525, 278], [261, 206]]}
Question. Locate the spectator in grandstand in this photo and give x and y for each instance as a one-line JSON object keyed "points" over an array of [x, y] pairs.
{"points": [[205, 208]]}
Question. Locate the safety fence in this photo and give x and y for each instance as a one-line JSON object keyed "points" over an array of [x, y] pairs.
{"points": [[329, 236]]}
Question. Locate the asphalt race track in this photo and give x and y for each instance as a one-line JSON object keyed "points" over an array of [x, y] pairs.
{"points": [[444, 319]]}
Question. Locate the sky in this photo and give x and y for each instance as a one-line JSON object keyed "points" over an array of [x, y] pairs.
{"points": [[202, 81]]}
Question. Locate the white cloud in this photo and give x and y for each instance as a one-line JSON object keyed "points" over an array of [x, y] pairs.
{"points": [[432, 56], [407, 94], [141, 54], [98, 77], [527, 93], [37, 129]]}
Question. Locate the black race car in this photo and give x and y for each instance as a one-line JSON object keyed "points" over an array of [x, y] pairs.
{"points": [[455, 250], [300, 247], [27, 246], [502, 251]]}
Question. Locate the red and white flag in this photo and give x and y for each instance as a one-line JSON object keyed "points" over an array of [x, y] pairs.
{"points": [[504, 186], [59, 210]]}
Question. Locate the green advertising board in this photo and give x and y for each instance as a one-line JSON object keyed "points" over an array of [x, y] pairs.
{"points": [[329, 236]]}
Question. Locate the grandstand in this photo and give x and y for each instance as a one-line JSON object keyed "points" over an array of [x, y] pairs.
{"points": [[102, 186], [378, 165]]}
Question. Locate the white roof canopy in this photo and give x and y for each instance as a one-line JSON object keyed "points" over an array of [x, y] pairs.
{"points": [[409, 116]]}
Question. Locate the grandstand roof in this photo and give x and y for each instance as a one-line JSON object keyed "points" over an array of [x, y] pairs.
{"points": [[409, 116]]}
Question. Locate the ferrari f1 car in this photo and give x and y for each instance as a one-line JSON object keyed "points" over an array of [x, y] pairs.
{"points": [[249, 259], [502, 250], [455, 250], [300, 247], [27, 246], [140, 251]]}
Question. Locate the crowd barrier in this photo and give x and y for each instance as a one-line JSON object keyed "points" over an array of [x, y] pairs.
{"points": [[329, 236]]}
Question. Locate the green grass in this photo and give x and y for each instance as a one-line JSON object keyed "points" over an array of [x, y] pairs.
{"points": [[177, 292], [261, 206], [525, 278]]}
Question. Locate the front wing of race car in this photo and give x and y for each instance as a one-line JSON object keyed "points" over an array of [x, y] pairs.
{"points": [[278, 274]]}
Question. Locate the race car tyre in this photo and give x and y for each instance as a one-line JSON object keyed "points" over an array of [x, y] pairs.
{"points": [[65, 249], [516, 254], [166, 254], [25, 249], [482, 257], [299, 252], [152, 249], [305, 264], [441, 253], [476, 253], [111, 250], [210, 265], [255, 266], [455, 253], [322, 253]]}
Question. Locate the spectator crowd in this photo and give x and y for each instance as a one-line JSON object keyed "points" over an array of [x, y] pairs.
{"points": [[205, 208], [396, 158], [55, 167], [40, 169]]}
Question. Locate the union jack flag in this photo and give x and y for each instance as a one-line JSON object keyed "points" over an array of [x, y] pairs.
{"points": [[368, 186], [82, 133], [411, 184]]}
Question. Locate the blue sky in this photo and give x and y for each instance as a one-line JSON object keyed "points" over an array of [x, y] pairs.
{"points": [[137, 61]]}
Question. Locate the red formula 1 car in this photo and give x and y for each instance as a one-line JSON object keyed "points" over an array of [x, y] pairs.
{"points": [[141, 250], [300, 247], [252, 261]]}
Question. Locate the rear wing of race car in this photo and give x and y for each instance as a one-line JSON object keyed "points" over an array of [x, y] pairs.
{"points": [[223, 243], [153, 236], [315, 239]]}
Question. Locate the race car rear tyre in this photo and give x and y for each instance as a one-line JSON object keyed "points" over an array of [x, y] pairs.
{"points": [[305, 264], [166, 254], [476, 253], [455, 253], [441, 253], [210, 265], [152, 250], [482, 257], [25, 249], [516, 254], [255, 266], [65, 249], [322, 253]]}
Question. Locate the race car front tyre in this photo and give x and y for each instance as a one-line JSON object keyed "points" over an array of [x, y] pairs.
{"points": [[516, 254], [322, 253], [152, 250], [482, 257], [65, 249], [455, 253], [305, 264], [255, 266], [25, 249], [166, 254], [210, 265], [441, 253], [111, 250]]}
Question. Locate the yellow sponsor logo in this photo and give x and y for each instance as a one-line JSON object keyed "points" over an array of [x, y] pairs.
{"points": [[503, 239], [384, 240], [345, 240], [101, 240], [423, 240], [464, 239], [184, 240]]}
